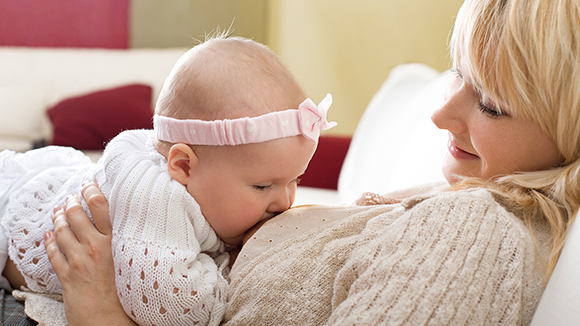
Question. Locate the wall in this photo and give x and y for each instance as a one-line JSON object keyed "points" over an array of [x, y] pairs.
{"points": [[64, 23], [347, 47], [181, 23], [343, 47], [126, 23]]}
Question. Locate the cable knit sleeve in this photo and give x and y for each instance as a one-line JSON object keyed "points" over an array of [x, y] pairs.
{"points": [[457, 258], [451, 260], [170, 265]]}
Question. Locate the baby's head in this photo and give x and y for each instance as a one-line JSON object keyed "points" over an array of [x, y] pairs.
{"points": [[227, 120], [228, 78]]}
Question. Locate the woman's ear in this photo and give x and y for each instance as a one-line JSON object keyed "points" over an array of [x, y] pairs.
{"points": [[180, 162]]}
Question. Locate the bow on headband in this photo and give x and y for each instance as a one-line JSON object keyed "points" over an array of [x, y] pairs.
{"points": [[308, 120], [313, 118]]}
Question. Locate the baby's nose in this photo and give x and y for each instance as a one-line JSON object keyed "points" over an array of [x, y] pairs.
{"points": [[282, 202]]}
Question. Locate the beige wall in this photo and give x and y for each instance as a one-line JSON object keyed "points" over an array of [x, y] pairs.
{"points": [[180, 23], [343, 47], [348, 47]]}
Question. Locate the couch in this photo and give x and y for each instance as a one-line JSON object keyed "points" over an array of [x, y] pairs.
{"points": [[394, 146]]}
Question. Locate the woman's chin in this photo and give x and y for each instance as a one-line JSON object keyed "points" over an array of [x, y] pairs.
{"points": [[452, 170], [452, 179]]}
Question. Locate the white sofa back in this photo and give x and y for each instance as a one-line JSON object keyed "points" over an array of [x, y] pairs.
{"points": [[396, 145], [33, 79], [560, 304]]}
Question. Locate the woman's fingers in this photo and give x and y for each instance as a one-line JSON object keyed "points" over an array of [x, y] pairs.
{"points": [[86, 269], [79, 222], [73, 230], [55, 256], [98, 206], [65, 236]]}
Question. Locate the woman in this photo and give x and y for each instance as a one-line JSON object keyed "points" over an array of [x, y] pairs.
{"points": [[479, 252]]}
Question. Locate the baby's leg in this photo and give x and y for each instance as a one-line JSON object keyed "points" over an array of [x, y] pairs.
{"points": [[13, 275]]}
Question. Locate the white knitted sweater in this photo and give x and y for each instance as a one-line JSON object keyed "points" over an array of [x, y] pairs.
{"points": [[456, 258], [169, 262]]}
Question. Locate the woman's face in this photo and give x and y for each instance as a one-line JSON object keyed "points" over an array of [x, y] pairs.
{"points": [[486, 141]]}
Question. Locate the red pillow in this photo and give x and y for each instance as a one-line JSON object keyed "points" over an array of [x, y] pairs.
{"points": [[324, 168], [88, 122]]}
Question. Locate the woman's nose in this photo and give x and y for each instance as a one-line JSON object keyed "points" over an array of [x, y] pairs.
{"points": [[450, 115]]}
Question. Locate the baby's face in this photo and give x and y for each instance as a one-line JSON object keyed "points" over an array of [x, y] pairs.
{"points": [[242, 185]]}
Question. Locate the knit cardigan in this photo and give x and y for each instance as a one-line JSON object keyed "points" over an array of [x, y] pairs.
{"points": [[170, 266], [456, 258]]}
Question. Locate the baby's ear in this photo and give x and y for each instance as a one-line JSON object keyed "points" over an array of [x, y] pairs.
{"points": [[180, 162]]}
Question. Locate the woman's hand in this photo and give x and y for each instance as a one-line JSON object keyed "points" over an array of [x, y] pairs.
{"points": [[86, 268]]}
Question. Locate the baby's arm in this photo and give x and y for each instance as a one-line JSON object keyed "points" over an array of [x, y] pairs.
{"points": [[169, 286]]}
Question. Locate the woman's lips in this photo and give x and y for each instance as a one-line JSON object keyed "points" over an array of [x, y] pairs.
{"points": [[458, 153]]}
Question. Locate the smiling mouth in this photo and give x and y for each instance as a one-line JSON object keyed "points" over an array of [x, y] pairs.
{"points": [[458, 153]]}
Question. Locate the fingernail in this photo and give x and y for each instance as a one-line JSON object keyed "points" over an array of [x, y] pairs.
{"points": [[47, 235], [86, 184], [70, 197], [56, 209]]}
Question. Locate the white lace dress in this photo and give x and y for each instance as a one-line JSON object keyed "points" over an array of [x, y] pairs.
{"points": [[170, 265]]}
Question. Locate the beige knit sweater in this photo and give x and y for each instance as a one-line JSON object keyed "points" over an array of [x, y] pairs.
{"points": [[457, 258]]}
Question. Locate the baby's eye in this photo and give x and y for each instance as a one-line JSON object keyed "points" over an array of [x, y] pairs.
{"points": [[297, 181], [262, 187]]}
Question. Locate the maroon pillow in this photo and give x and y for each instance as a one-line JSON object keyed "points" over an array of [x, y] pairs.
{"points": [[324, 168], [88, 122]]}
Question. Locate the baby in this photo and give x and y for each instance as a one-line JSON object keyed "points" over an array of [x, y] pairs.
{"points": [[233, 132]]}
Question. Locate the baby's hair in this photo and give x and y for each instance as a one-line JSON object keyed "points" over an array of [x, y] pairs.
{"points": [[226, 78], [526, 54]]}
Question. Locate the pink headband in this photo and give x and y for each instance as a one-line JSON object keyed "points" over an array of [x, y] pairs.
{"points": [[308, 120]]}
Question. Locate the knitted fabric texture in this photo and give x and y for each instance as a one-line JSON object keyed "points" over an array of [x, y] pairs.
{"points": [[457, 258], [370, 199], [169, 262], [31, 184]]}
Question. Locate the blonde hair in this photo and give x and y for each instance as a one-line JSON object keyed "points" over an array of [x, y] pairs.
{"points": [[526, 54]]}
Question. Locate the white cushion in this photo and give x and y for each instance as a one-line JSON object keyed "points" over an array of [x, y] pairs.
{"points": [[79, 71], [74, 72], [22, 109], [560, 303], [316, 196], [16, 144], [396, 145]]}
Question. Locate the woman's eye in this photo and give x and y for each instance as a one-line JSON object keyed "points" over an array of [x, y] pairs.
{"points": [[490, 111], [262, 188]]}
